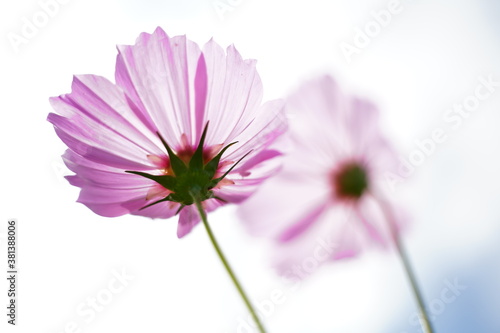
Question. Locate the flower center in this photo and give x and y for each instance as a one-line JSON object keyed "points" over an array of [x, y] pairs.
{"points": [[191, 175], [350, 181]]}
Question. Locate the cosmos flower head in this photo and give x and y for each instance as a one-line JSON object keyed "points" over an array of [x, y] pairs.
{"points": [[180, 124], [329, 188]]}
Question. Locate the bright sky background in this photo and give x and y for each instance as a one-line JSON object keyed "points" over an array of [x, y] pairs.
{"points": [[429, 57]]}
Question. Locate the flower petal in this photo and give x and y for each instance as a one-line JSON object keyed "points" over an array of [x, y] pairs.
{"points": [[281, 202], [234, 93], [158, 74], [303, 224], [270, 123], [112, 192], [100, 100], [188, 218], [90, 139]]}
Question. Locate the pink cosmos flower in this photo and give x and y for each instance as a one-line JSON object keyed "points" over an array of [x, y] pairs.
{"points": [[325, 201], [176, 126]]}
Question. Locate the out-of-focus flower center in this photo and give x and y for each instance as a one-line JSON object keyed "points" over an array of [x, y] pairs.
{"points": [[350, 181]]}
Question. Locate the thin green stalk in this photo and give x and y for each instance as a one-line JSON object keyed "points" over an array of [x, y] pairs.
{"points": [[237, 284], [425, 322]]}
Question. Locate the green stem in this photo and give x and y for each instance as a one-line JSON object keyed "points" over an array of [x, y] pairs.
{"points": [[237, 284], [425, 322]]}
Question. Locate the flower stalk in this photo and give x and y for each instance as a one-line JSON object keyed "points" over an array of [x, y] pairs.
{"points": [[425, 321], [228, 268]]}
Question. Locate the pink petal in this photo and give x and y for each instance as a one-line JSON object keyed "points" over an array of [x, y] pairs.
{"points": [[95, 142], [200, 88], [257, 170], [188, 218], [256, 160], [162, 210], [105, 103], [234, 193], [111, 202], [112, 192], [372, 221], [303, 224], [270, 123], [234, 93], [156, 72], [282, 201]]}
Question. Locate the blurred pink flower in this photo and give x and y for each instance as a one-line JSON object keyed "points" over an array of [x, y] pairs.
{"points": [[139, 146], [324, 203]]}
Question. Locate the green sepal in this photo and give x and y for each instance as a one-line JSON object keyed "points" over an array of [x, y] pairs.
{"points": [[192, 181], [180, 208], [217, 180], [212, 166], [178, 166], [196, 161], [167, 198], [168, 182], [219, 198]]}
